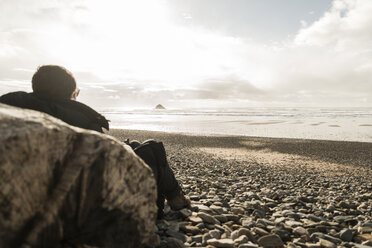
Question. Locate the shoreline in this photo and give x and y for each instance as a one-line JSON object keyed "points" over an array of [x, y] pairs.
{"points": [[220, 135], [216, 134], [321, 124], [353, 153]]}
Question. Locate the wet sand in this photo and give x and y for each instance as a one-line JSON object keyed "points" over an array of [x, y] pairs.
{"points": [[353, 154]]}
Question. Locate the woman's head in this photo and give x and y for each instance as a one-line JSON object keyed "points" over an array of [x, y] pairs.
{"points": [[54, 81]]}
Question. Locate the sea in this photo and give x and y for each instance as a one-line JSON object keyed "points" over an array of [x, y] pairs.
{"points": [[340, 124]]}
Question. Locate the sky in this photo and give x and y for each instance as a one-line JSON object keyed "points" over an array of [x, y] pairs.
{"points": [[194, 53]]}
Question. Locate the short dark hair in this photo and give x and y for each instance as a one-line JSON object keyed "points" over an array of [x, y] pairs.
{"points": [[53, 81]]}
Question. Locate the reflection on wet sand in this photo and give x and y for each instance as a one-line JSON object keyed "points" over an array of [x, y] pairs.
{"points": [[317, 124], [265, 123], [333, 125]]}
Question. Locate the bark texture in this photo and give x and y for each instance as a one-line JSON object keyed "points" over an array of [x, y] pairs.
{"points": [[61, 185]]}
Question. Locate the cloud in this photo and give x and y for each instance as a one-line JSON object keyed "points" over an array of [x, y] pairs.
{"points": [[231, 87], [344, 27], [222, 92], [7, 86], [87, 77], [329, 60], [124, 54]]}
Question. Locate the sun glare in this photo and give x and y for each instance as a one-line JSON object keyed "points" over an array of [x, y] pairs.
{"points": [[121, 40], [116, 36]]}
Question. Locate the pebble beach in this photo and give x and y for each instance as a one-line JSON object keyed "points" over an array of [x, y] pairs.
{"points": [[265, 192]]}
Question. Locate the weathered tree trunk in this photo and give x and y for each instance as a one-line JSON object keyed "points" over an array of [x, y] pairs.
{"points": [[65, 185]]}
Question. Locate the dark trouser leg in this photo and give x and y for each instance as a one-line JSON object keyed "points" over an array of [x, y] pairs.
{"points": [[168, 183], [153, 154]]}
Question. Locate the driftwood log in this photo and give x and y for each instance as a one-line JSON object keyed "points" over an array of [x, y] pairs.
{"points": [[65, 186]]}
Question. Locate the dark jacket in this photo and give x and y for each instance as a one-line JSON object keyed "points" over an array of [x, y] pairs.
{"points": [[72, 112]]}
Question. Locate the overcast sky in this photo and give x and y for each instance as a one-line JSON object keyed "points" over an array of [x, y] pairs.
{"points": [[194, 53]]}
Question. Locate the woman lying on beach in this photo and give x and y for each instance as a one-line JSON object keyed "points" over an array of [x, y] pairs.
{"points": [[55, 92]]}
